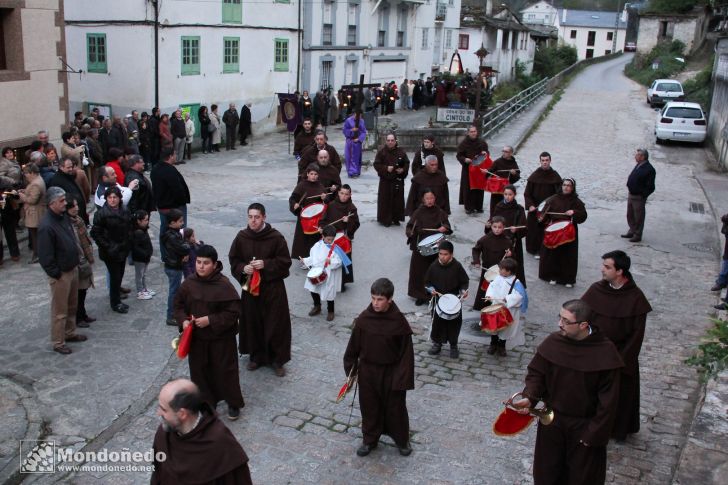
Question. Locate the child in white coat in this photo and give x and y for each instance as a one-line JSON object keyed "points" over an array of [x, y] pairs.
{"points": [[325, 254], [507, 289]]}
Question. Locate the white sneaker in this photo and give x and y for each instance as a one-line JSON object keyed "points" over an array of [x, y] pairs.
{"points": [[151, 292], [143, 295], [569, 285], [536, 256], [552, 282]]}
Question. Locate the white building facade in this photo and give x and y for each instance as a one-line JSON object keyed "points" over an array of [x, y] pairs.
{"points": [[541, 13], [383, 40], [592, 33], [217, 51]]}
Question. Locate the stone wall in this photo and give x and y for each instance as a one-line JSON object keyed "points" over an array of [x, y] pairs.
{"points": [[685, 29], [718, 116]]}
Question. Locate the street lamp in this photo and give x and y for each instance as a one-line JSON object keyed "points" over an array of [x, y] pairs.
{"points": [[481, 53]]}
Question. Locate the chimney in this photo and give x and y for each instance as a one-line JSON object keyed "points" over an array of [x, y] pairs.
{"points": [[563, 16], [488, 7]]}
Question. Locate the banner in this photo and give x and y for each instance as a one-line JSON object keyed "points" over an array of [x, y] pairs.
{"points": [[290, 110]]}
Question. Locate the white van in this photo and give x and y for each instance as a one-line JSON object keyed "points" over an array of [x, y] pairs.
{"points": [[663, 90]]}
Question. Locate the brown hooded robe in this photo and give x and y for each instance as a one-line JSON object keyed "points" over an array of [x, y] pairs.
{"points": [[390, 197], [423, 218], [489, 250], [335, 211], [302, 243], [561, 264], [437, 182], [469, 148], [541, 185], [381, 348], [515, 215], [497, 168]]}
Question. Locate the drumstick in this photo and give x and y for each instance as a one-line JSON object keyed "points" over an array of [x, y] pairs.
{"points": [[304, 264], [316, 196], [508, 170], [338, 220], [514, 227], [302, 199], [557, 213], [431, 230]]}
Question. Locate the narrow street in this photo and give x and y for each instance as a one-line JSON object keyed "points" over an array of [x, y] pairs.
{"points": [[103, 394]]}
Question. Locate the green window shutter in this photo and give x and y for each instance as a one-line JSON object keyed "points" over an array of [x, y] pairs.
{"points": [[280, 59], [96, 53], [230, 54], [190, 55], [282, 1], [232, 11]]}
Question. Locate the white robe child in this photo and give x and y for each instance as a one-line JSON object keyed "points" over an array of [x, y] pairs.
{"points": [[499, 288], [316, 259]]}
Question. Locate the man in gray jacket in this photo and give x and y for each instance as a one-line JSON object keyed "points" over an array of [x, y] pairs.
{"points": [[58, 252], [231, 119]]}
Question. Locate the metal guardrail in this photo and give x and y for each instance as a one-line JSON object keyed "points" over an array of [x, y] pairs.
{"points": [[496, 118]]}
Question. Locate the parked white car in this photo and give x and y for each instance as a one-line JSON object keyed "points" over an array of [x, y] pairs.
{"points": [[663, 90], [681, 121]]}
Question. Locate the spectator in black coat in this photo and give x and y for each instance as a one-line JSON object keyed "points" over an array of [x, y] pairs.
{"points": [[65, 178], [112, 233], [245, 122], [170, 192], [641, 184], [142, 197]]}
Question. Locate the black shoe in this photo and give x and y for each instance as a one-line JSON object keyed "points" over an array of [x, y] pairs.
{"points": [[435, 349], [233, 413], [395, 223], [172, 322], [721, 306], [454, 352], [123, 296], [420, 301], [81, 323], [717, 287], [627, 236], [405, 450], [124, 289], [492, 349], [120, 308], [479, 211], [365, 449], [635, 239], [469, 211]]}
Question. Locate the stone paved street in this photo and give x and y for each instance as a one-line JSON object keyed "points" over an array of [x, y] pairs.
{"points": [[103, 395]]}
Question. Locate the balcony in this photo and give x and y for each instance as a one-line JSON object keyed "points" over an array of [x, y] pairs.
{"points": [[441, 12]]}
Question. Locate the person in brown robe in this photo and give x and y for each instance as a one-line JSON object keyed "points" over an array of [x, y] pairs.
{"points": [[428, 148], [468, 149], [430, 178], [209, 301], [446, 276], [343, 210], [381, 353], [197, 447], [620, 312], [308, 192], [304, 138], [543, 183], [328, 175], [309, 154], [265, 322], [392, 165], [489, 250], [427, 220], [515, 216], [507, 167], [559, 265], [575, 372]]}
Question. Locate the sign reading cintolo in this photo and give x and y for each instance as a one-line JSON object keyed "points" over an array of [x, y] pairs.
{"points": [[450, 115]]}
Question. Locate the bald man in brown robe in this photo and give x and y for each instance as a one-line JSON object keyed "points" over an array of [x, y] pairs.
{"points": [[265, 322], [209, 301], [575, 372], [620, 312], [430, 177], [197, 446], [309, 154], [380, 348]]}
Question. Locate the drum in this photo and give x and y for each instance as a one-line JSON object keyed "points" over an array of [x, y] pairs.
{"points": [[317, 275], [343, 242], [482, 161], [429, 246], [495, 318], [310, 217], [448, 307], [559, 233], [490, 275], [496, 184]]}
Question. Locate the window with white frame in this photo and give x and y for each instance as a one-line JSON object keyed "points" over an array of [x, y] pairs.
{"points": [[448, 39], [425, 34]]}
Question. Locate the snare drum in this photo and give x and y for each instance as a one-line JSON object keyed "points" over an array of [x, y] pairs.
{"points": [[495, 184], [490, 275], [495, 318], [310, 217], [448, 307], [317, 275], [482, 161], [559, 233], [343, 242], [429, 246]]}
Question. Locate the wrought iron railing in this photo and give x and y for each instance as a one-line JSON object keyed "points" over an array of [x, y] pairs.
{"points": [[495, 119]]}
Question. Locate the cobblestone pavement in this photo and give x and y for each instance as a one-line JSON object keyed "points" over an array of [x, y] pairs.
{"points": [[291, 427]]}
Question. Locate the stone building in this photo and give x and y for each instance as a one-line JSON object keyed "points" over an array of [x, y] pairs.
{"points": [[718, 119], [689, 28], [32, 82]]}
